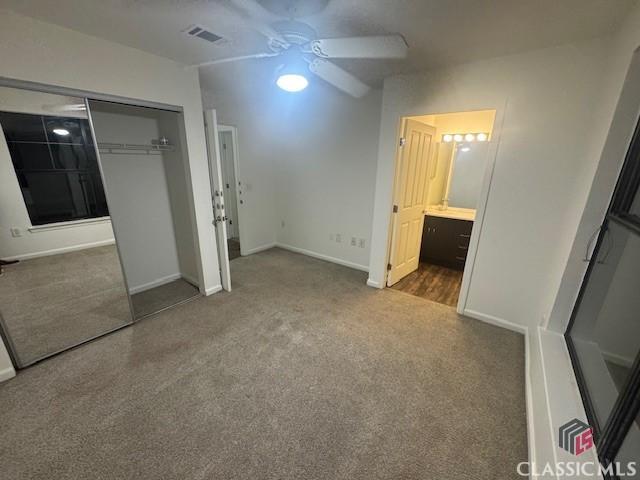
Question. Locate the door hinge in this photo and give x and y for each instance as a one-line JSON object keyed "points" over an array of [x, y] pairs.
{"points": [[402, 141], [388, 266], [395, 209]]}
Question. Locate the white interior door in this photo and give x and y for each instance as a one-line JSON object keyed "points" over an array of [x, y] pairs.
{"points": [[218, 200], [410, 195]]}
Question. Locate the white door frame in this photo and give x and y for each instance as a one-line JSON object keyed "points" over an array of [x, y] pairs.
{"points": [[215, 174], [239, 185], [481, 207]]}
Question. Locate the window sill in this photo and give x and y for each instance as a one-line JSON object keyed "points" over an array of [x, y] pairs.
{"points": [[71, 224]]}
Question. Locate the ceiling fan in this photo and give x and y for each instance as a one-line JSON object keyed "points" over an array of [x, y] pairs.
{"points": [[302, 51]]}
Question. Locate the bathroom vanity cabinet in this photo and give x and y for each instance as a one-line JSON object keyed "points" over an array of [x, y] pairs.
{"points": [[445, 241]]}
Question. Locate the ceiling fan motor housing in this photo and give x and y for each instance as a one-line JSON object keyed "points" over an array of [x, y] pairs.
{"points": [[294, 8]]}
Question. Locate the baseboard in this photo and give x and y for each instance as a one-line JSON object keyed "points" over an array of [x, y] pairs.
{"points": [[57, 251], [7, 374], [618, 359], [192, 280], [212, 290], [321, 256], [373, 283], [154, 283], [261, 248], [498, 322], [528, 392]]}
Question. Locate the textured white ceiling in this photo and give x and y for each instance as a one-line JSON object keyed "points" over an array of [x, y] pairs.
{"points": [[439, 32]]}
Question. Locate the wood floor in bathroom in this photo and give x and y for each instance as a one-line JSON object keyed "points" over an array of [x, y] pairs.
{"points": [[435, 283]]}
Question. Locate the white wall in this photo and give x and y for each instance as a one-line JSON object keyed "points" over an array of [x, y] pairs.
{"points": [[256, 152], [309, 161], [175, 166], [39, 52], [325, 175], [607, 151], [545, 97], [13, 212], [138, 194]]}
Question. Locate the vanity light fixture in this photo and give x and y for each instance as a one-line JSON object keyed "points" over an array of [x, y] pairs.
{"points": [[467, 137]]}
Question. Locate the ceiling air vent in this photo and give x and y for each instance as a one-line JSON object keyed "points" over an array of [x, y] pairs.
{"points": [[201, 32]]}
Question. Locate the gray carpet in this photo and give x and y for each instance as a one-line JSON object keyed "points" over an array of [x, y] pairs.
{"points": [[302, 372], [163, 296], [53, 302]]}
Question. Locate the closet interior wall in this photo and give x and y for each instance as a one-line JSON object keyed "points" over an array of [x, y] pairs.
{"points": [[148, 201]]}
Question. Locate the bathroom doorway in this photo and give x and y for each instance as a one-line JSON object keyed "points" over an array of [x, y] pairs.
{"points": [[443, 168]]}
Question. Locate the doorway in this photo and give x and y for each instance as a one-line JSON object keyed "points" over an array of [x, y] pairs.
{"points": [[442, 164], [232, 187]]}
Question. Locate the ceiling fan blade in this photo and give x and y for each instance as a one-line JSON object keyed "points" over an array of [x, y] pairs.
{"points": [[382, 46], [258, 19], [338, 77], [235, 59]]}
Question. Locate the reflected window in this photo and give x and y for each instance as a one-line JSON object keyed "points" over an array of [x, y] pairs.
{"points": [[56, 167]]}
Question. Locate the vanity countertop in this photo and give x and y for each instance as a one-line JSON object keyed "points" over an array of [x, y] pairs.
{"points": [[452, 212]]}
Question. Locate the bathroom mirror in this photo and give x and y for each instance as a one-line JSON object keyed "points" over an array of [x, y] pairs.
{"points": [[62, 282], [468, 163]]}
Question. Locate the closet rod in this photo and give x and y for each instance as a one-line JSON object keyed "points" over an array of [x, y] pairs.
{"points": [[128, 148]]}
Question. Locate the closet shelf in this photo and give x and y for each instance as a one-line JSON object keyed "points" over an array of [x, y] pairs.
{"points": [[129, 148]]}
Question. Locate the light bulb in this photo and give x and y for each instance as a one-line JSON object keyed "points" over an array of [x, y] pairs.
{"points": [[447, 138], [292, 82], [481, 137], [457, 137], [469, 137], [61, 131]]}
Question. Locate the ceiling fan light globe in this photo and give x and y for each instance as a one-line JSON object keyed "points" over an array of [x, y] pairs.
{"points": [[292, 82]]}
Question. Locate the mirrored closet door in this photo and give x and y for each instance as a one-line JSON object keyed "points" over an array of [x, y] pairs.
{"points": [[62, 281]]}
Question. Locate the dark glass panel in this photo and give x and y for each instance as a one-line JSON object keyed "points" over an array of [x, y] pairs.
{"points": [[99, 201], [30, 156], [606, 330], [627, 461], [73, 157], [48, 197], [22, 127]]}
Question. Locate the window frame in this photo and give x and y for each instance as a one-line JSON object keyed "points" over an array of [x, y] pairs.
{"points": [[610, 437]]}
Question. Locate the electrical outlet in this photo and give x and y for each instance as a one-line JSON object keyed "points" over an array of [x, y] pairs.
{"points": [[353, 241], [338, 238], [16, 232], [361, 243]]}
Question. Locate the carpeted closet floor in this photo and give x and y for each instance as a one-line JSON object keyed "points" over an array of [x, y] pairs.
{"points": [[301, 372]]}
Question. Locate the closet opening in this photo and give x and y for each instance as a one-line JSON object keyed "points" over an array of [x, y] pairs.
{"points": [[142, 155], [442, 173]]}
